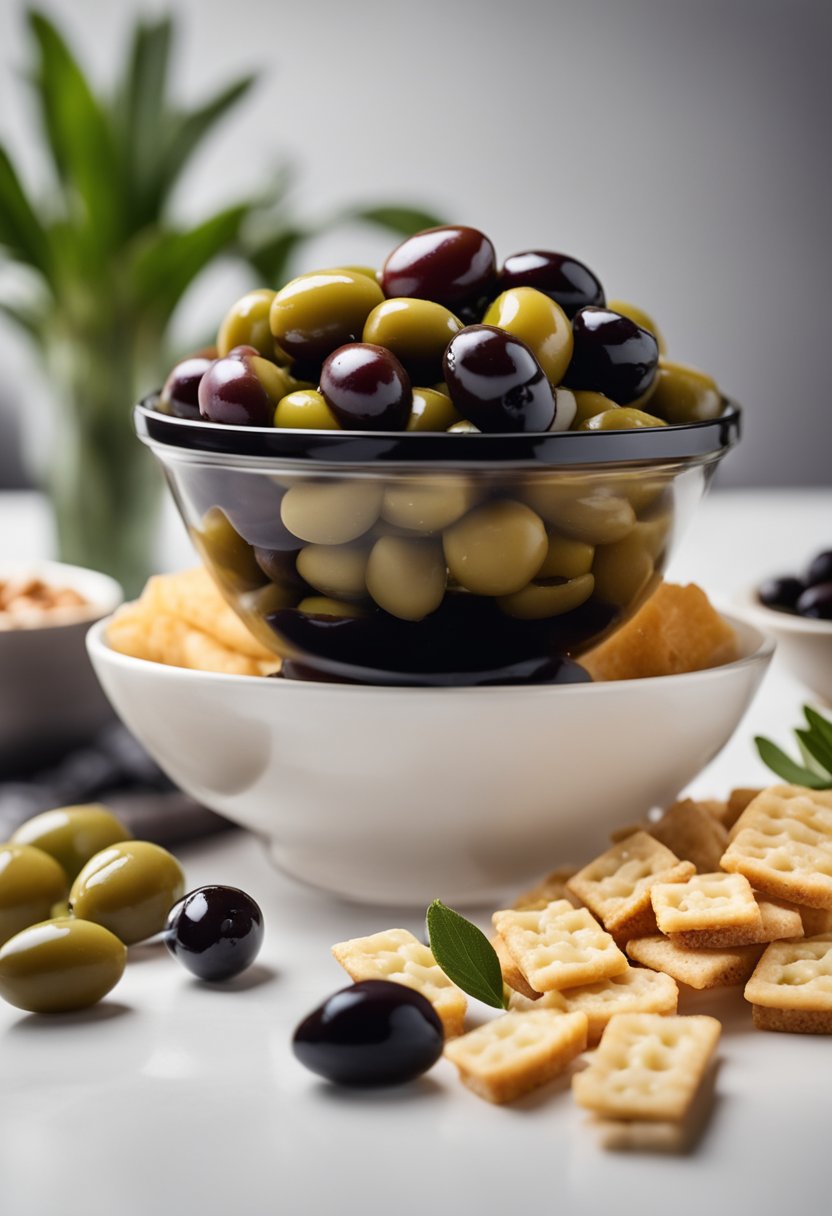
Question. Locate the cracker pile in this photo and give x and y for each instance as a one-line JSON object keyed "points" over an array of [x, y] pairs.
{"points": [[711, 894]]}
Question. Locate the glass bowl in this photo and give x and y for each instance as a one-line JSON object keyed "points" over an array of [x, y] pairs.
{"points": [[433, 559]]}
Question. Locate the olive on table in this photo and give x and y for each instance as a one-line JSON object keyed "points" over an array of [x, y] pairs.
{"points": [[612, 355], [496, 382], [407, 577], [538, 321], [366, 388], [415, 331], [180, 392], [568, 282], [247, 324], [683, 394], [305, 410], [242, 389], [641, 318], [432, 411], [331, 512], [623, 419], [820, 569], [816, 602], [72, 834], [373, 1033], [129, 888], [496, 549], [215, 931], [314, 314], [30, 883], [60, 965], [782, 593], [452, 265], [337, 571]]}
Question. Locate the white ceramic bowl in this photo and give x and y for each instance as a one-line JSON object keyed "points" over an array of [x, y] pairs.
{"points": [[50, 700], [804, 645], [398, 795]]}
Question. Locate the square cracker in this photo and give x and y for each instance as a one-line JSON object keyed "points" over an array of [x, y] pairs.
{"points": [[550, 888], [518, 1052], [648, 1066], [706, 901], [783, 845], [512, 975], [636, 990], [794, 975], [691, 832], [616, 886], [559, 946], [395, 954], [659, 1135], [697, 968], [777, 921]]}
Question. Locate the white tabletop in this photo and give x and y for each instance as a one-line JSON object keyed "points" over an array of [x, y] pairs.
{"points": [[173, 1096]]}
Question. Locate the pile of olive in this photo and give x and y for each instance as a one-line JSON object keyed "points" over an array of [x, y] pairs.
{"points": [[76, 890], [809, 595]]}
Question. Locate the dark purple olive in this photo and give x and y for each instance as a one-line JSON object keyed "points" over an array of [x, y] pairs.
{"points": [[366, 388], [180, 392], [453, 265], [781, 593], [278, 565], [820, 569], [564, 279], [372, 1033], [612, 355], [232, 392], [216, 932], [496, 382], [816, 602]]}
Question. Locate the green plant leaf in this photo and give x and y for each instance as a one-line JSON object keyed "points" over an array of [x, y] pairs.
{"points": [[24, 318], [809, 760], [784, 767], [820, 727], [21, 231], [395, 216], [139, 118], [818, 749], [270, 257], [465, 955], [187, 130]]}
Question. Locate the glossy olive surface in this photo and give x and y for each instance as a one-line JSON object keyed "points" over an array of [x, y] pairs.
{"points": [[128, 888], [180, 392], [496, 381], [215, 931], [810, 596], [816, 602], [623, 419], [305, 409], [373, 1033], [432, 411], [684, 394], [366, 388], [241, 390], [416, 331], [782, 593], [564, 279], [452, 265], [642, 318], [612, 355], [30, 883], [58, 966], [247, 324], [316, 313], [538, 321], [72, 834]]}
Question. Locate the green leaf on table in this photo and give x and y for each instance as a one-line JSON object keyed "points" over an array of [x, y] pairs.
{"points": [[786, 768], [465, 955], [21, 232], [398, 218], [818, 752]]}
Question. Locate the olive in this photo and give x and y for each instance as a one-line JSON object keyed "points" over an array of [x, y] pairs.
{"points": [[496, 382], [279, 566], [464, 427], [820, 569], [581, 512], [612, 355], [623, 571], [316, 313], [60, 965], [180, 392], [588, 404], [305, 410], [497, 548], [566, 558], [416, 331], [323, 605], [623, 419], [241, 390], [539, 322], [641, 318], [30, 883], [331, 512], [216, 932], [407, 577], [431, 411], [247, 324], [128, 888], [224, 549], [337, 571], [816, 602], [451, 265], [366, 388], [72, 834], [372, 1033], [683, 394], [537, 600], [564, 279], [782, 593], [426, 504], [566, 407]]}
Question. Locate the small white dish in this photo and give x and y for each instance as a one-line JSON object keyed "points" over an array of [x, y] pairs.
{"points": [[398, 795], [804, 644]]}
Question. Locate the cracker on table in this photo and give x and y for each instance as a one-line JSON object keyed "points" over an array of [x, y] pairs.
{"points": [[794, 975], [706, 901], [783, 845], [659, 1135], [636, 990], [512, 975], [698, 968], [616, 886], [550, 888], [691, 831], [778, 921], [517, 1052], [559, 946], [738, 800], [648, 1066], [395, 954]]}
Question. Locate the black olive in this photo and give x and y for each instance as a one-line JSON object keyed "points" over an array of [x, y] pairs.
{"points": [[782, 593], [612, 355], [496, 382], [820, 569], [216, 932], [366, 388], [816, 602], [453, 265], [564, 279]]}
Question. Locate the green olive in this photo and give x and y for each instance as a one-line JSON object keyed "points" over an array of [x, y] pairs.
{"points": [[322, 605], [416, 331], [222, 547], [588, 404], [464, 427], [640, 317], [496, 549], [538, 321], [274, 379], [60, 965], [426, 504], [407, 577], [537, 600], [441, 387], [331, 512], [566, 558], [128, 888], [72, 834], [270, 598], [30, 883], [639, 490], [315, 314], [623, 571], [247, 324], [369, 271], [431, 411], [579, 511], [654, 532], [684, 394], [624, 419], [305, 410], [337, 571]]}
